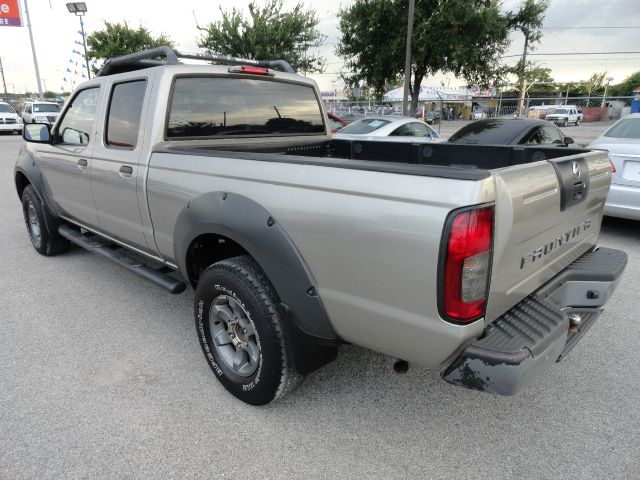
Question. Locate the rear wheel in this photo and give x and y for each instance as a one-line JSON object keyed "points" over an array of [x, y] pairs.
{"points": [[577, 122], [41, 225], [242, 333]]}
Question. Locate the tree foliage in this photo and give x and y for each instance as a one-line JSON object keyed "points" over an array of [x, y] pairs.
{"points": [[462, 37], [625, 87], [269, 33], [594, 84], [119, 39]]}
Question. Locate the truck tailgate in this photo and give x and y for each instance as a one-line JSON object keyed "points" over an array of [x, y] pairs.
{"points": [[547, 214]]}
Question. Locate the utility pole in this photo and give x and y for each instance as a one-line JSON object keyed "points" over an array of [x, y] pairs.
{"points": [[407, 59], [33, 47], [4, 84], [523, 81]]}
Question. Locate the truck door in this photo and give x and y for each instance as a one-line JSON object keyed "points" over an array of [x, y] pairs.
{"points": [[65, 163], [117, 178]]}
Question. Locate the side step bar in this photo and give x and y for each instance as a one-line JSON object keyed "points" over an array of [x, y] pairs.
{"points": [[103, 247]]}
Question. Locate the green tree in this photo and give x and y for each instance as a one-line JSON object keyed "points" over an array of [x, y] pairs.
{"points": [[119, 39], [594, 84], [463, 37], [536, 77], [268, 34], [528, 20], [626, 86]]}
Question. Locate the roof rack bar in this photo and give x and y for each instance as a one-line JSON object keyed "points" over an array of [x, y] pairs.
{"points": [[229, 60], [173, 57]]}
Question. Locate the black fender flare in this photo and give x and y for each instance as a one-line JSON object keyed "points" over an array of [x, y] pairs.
{"points": [[252, 227], [27, 166]]}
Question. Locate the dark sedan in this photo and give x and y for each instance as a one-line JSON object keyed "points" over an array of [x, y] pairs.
{"points": [[510, 131]]}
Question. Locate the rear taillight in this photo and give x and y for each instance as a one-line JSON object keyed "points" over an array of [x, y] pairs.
{"points": [[466, 265], [613, 167]]}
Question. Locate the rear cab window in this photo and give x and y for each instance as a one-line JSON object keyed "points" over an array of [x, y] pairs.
{"points": [[214, 107], [364, 126]]}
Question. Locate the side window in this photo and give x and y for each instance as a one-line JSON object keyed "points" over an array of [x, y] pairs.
{"points": [[403, 131], [75, 128], [550, 134], [28, 109], [534, 138], [123, 117], [420, 129]]}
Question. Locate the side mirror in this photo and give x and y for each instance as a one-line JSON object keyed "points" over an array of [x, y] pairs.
{"points": [[36, 133], [568, 141]]}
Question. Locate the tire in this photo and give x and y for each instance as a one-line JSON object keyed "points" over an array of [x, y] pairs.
{"points": [[242, 333], [566, 122], [577, 122], [42, 226]]}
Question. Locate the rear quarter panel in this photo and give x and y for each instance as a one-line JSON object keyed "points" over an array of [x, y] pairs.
{"points": [[370, 239]]}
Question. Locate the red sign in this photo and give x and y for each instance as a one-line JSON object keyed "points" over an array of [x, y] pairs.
{"points": [[10, 13]]}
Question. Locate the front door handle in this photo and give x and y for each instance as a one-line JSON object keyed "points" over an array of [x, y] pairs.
{"points": [[125, 171], [82, 164]]}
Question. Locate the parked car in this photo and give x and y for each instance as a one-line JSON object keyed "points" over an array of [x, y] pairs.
{"points": [[389, 127], [226, 178], [511, 131], [352, 117], [432, 117], [40, 112], [622, 140], [335, 122], [564, 115], [10, 121]]}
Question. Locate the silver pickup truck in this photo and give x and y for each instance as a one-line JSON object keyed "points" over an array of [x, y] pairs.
{"points": [[480, 261]]}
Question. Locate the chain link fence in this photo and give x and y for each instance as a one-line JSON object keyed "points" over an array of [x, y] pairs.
{"points": [[593, 109]]}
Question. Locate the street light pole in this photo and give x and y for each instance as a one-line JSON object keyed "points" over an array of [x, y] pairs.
{"points": [[33, 47], [79, 9], [604, 97], [407, 58]]}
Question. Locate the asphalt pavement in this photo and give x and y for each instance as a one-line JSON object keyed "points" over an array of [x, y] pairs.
{"points": [[101, 376]]}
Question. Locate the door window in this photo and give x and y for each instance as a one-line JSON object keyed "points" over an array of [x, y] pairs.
{"points": [[550, 134], [75, 128], [125, 110], [403, 131]]}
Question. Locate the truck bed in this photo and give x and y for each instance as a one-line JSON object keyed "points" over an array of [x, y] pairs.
{"points": [[463, 162]]}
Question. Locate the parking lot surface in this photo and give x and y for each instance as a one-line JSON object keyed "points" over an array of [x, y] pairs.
{"points": [[101, 376]]}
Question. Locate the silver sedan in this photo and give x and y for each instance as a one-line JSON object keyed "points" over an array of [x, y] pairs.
{"points": [[622, 140], [389, 128]]}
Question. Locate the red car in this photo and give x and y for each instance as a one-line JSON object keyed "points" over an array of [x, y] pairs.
{"points": [[336, 123]]}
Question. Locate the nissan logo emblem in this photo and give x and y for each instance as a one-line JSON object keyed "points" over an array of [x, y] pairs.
{"points": [[575, 168]]}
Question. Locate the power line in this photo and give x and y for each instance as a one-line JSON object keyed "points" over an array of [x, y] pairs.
{"points": [[570, 53]]}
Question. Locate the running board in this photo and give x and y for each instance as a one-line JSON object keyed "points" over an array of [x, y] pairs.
{"points": [[103, 247]]}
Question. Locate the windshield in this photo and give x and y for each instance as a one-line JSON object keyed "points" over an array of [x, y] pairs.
{"points": [[560, 110], [628, 128], [46, 107], [364, 126], [4, 108]]}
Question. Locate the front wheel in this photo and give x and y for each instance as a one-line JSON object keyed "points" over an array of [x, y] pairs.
{"points": [[577, 122], [242, 333], [41, 225], [565, 122]]}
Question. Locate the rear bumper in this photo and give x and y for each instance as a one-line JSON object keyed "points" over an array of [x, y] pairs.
{"points": [[542, 329], [623, 201]]}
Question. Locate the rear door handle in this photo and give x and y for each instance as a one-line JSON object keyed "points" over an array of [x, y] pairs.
{"points": [[125, 171]]}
